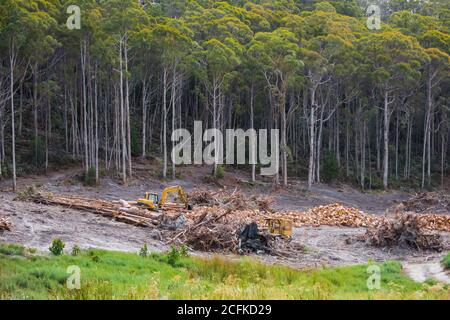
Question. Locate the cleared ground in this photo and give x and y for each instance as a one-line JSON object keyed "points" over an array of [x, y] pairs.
{"points": [[35, 225]]}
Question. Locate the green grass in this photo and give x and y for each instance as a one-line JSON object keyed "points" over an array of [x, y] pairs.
{"points": [[115, 275], [446, 261]]}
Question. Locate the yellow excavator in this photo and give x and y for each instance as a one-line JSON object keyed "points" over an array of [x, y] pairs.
{"points": [[153, 202]]}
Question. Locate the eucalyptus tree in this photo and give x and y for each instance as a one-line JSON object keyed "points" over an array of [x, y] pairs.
{"points": [[278, 56], [437, 69], [20, 20], [392, 59], [123, 20], [173, 43]]}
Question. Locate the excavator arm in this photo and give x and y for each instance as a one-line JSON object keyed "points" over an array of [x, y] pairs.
{"points": [[181, 195]]}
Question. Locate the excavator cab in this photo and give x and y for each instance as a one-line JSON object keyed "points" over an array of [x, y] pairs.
{"points": [[151, 201]]}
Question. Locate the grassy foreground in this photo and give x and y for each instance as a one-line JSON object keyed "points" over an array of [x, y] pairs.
{"points": [[114, 275], [446, 261]]}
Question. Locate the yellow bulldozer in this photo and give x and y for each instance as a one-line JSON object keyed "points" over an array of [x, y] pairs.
{"points": [[279, 226], [152, 201]]}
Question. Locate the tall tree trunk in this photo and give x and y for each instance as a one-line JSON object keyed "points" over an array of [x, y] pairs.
{"points": [[85, 115], [283, 136], [96, 126], [127, 110], [312, 138], [173, 106], [215, 122], [164, 119], [397, 133], [122, 117], [386, 141], [378, 139], [252, 126], [426, 156], [144, 118], [35, 113], [12, 61]]}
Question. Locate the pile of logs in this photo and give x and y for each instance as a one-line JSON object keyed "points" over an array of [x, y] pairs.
{"points": [[404, 230], [120, 211], [331, 215], [435, 222], [4, 224]]}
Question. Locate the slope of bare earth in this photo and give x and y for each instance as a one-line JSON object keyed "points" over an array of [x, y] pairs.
{"points": [[36, 225]]}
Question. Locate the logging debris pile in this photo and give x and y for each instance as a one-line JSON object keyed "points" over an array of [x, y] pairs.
{"points": [[331, 215], [4, 224], [435, 222], [403, 230], [219, 218], [427, 202], [216, 228], [202, 197]]}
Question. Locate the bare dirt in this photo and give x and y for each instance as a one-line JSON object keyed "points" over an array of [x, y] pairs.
{"points": [[36, 225]]}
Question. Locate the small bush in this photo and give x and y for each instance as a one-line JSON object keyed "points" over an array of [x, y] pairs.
{"points": [[446, 261], [57, 247], [36, 153], [89, 177], [377, 183], [12, 250], [76, 251], [220, 172], [174, 256], [184, 251], [330, 168], [28, 193], [144, 251]]}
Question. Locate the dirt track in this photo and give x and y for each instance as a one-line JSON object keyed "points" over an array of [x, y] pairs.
{"points": [[36, 225]]}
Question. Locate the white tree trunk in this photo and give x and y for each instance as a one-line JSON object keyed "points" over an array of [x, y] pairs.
{"points": [[12, 58], [164, 133], [312, 138], [386, 141]]}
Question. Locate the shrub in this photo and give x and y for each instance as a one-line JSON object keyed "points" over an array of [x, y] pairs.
{"points": [[325, 6], [37, 152], [12, 250], [76, 251], [330, 168], [136, 147], [28, 193], [184, 251], [173, 256], [446, 261], [57, 247], [220, 172], [89, 177], [377, 182], [144, 251]]}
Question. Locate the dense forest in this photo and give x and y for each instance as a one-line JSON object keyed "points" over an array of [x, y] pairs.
{"points": [[366, 105]]}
